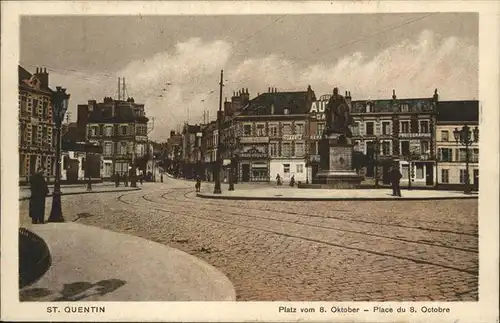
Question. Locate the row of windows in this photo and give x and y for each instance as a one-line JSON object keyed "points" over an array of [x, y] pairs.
{"points": [[458, 155], [299, 168], [122, 148], [123, 130], [445, 176], [273, 130], [39, 108]]}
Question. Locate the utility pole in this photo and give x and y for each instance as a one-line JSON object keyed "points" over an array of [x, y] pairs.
{"points": [[217, 188], [119, 91]]}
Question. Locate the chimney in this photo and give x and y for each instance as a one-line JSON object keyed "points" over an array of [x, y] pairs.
{"points": [[436, 95], [172, 133], [394, 94], [268, 90], [43, 76]]}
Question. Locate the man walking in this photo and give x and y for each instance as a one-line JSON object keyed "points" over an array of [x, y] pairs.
{"points": [[395, 178], [39, 191]]}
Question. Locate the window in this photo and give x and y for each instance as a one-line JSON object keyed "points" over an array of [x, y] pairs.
{"points": [[287, 129], [405, 126], [445, 154], [300, 168], [369, 128], [320, 128], [386, 128], [404, 108], [273, 149], [461, 154], [386, 148], [355, 129], [108, 149], [445, 176], [273, 130], [424, 147], [247, 130], [405, 172], [424, 126], [463, 176], [475, 155], [286, 111], [312, 147], [45, 108], [420, 171], [286, 168], [34, 134], [299, 149], [368, 108], [24, 105], [108, 131], [35, 107], [123, 148], [261, 130], [405, 148], [445, 135], [123, 130], [286, 152], [299, 129]]}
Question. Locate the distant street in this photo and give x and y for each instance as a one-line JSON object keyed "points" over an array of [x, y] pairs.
{"points": [[303, 251]]}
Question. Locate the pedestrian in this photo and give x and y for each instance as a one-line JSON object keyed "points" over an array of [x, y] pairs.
{"points": [[116, 178], [292, 181], [141, 177], [39, 191], [395, 178], [161, 177], [278, 180], [125, 179], [197, 186]]}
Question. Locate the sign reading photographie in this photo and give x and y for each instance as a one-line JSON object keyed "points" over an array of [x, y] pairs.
{"points": [[414, 135], [292, 137]]}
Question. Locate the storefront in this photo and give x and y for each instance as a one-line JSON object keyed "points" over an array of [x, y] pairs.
{"points": [[253, 165], [420, 172]]}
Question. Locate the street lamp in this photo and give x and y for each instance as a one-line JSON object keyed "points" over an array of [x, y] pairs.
{"points": [[89, 178], [376, 143], [217, 188], [59, 106], [308, 162], [466, 137]]}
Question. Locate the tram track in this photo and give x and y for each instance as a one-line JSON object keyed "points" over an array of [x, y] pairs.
{"points": [[374, 252], [338, 218]]}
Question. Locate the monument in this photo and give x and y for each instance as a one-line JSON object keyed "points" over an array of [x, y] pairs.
{"points": [[335, 148]]}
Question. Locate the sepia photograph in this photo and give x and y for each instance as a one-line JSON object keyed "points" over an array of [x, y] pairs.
{"points": [[250, 157]]}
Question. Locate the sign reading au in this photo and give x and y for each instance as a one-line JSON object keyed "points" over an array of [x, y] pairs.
{"points": [[318, 109]]}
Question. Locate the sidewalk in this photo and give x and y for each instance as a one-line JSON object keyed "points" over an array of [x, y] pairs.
{"points": [[25, 193], [92, 264], [304, 194]]}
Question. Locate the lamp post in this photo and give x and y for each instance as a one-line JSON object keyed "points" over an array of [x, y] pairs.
{"points": [[59, 106], [376, 143], [217, 188], [466, 136], [308, 162], [411, 157], [133, 179], [89, 177]]}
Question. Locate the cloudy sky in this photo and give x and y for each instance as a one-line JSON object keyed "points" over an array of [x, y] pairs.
{"points": [[173, 63]]}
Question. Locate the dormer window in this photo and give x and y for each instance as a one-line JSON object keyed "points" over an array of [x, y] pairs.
{"points": [[368, 107], [286, 111], [272, 108], [404, 108]]}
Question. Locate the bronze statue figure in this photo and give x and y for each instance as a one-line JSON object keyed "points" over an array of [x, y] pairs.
{"points": [[337, 116]]}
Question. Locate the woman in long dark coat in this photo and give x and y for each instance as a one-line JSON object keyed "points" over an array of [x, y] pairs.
{"points": [[39, 191]]}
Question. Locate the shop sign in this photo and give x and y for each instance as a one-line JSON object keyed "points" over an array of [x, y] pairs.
{"points": [[253, 155], [414, 135], [254, 140], [318, 109], [226, 162], [315, 137], [292, 137]]}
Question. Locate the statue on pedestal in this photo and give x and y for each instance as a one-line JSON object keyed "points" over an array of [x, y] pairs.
{"points": [[338, 118]]}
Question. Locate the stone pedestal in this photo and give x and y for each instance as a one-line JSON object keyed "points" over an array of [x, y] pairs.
{"points": [[336, 164]]}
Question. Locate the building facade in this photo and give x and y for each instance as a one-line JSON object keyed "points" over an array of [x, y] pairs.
{"points": [[272, 136], [192, 151], [451, 165], [36, 126], [385, 132], [121, 128]]}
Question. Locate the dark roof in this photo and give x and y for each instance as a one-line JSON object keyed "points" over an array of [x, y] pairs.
{"points": [[414, 105], [23, 74], [25, 77], [458, 111], [102, 113], [72, 134], [296, 102]]}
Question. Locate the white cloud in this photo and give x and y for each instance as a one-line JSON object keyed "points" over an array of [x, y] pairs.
{"points": [[185, 81]]}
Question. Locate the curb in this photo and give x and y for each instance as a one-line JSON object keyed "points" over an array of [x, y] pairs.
{"points": [[84, 192], [285, 198]]}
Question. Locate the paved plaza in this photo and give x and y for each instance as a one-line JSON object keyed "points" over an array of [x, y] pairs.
{"points": [[25, 193], [292, 193], [345, 250]]}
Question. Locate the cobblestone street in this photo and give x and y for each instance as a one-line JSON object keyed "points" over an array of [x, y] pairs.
{"points": [[312, 250]]}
